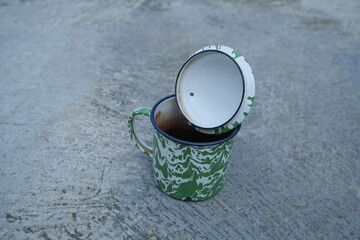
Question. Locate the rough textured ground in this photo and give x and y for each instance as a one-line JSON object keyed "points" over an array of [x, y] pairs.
{"points": [[71, 72]]}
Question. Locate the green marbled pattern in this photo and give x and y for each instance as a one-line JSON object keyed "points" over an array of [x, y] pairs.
{"points": [[138, 143], [189, 172]]}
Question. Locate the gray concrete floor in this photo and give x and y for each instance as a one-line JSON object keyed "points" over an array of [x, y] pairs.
{"points": [[71, 72]]}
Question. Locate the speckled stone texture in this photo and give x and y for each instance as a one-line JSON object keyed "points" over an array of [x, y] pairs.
{"points": [[72, 71]]}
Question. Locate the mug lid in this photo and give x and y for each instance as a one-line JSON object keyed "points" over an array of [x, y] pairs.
{"points": [[213, 89]]}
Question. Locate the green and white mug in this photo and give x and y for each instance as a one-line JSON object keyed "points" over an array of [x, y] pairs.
{"points": [[183, 169]]}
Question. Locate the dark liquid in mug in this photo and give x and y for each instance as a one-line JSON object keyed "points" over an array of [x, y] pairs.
{"points": [[194, 136]]}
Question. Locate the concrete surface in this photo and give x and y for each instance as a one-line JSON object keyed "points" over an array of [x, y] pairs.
{"points": [[71, 72]]}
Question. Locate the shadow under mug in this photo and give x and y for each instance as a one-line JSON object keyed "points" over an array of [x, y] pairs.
{"points": [[186, 170]]}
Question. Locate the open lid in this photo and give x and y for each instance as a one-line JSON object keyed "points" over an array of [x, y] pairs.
{"points": [[215, 89]]}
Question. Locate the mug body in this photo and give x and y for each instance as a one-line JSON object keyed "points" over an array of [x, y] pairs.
{"points": [[185, 169]]}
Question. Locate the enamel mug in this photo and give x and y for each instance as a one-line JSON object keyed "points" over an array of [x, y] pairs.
{"points": [[183, 168]]}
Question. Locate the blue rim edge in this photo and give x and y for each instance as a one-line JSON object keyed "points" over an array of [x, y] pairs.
{"points": [[200, 144]]}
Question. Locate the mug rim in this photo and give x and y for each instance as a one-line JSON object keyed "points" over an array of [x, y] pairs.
{"points": [[201, 144]]}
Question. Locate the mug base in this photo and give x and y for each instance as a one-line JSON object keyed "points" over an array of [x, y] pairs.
{"points": [[193, 197]]}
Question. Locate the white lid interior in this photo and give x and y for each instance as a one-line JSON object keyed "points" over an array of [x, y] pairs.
{"points": [[209, 89]]}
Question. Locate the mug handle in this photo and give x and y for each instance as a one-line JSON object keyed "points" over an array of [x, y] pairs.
{"points": [[140, 144]]}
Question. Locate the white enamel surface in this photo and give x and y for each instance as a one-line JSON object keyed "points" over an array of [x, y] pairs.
{"points": [[246, 104], [210, 89], [249, 88]]}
